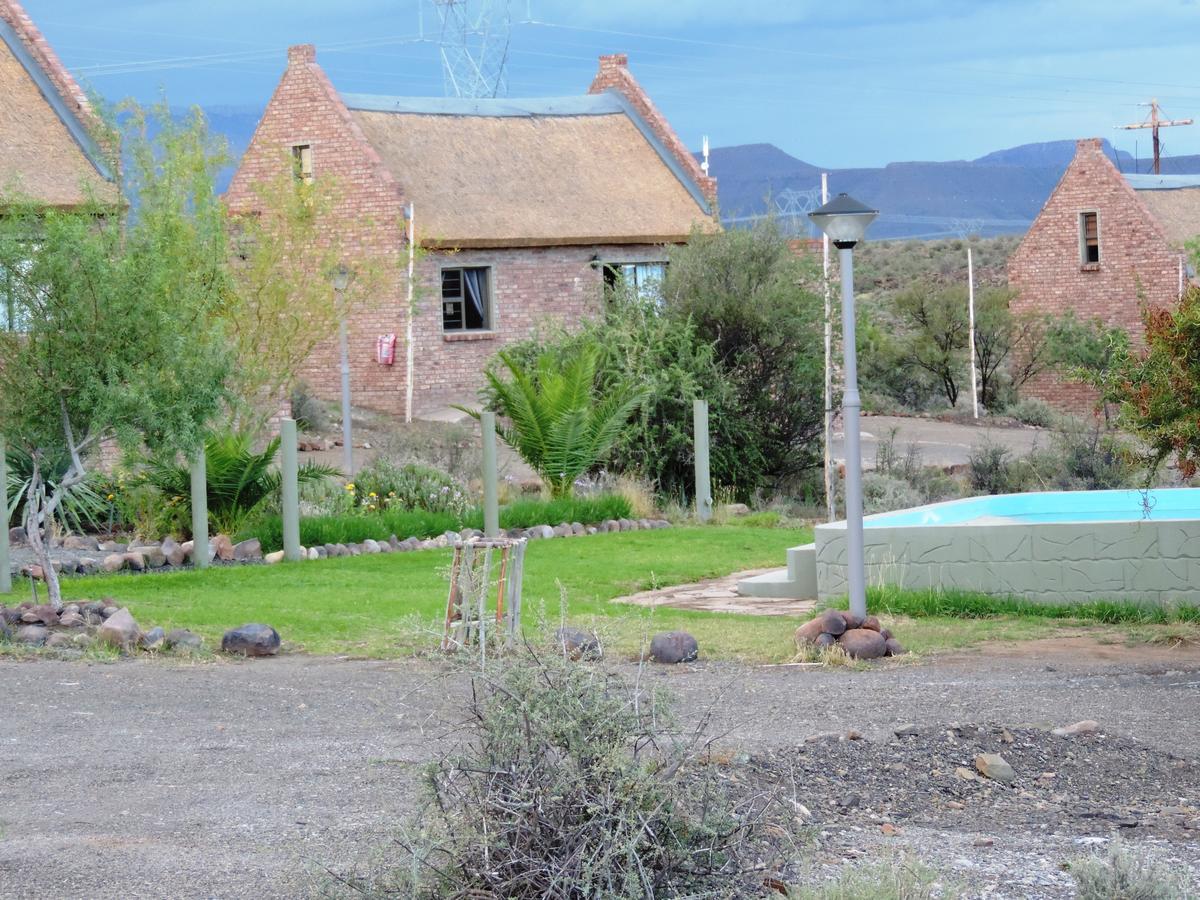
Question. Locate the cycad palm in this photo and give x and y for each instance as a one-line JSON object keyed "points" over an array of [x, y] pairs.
{"points": [[557, 424]]}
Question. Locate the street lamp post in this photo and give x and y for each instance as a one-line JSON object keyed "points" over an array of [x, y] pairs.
{"points": [[341, 280], [845, 220]]}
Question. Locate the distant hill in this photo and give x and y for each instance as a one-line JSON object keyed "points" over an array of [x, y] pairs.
{"points": [[999, 193]]}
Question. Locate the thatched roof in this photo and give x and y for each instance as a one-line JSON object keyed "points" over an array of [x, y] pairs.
{"points": [[46, 150], [513, 173], [1174, 201]]}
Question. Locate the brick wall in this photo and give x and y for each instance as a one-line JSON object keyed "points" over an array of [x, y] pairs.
{"points": [[531, 287], [1137, 264]]}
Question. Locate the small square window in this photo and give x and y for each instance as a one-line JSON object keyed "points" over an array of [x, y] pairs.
{"points": [[1089, 238], [302, 162], [466, 299], [644, 277]]}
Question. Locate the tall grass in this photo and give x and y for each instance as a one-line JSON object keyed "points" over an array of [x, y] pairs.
{"points": [[959, 604], [355, 528]]}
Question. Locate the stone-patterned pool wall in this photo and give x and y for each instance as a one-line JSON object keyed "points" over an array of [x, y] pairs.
{"points": [[1063, 562]]}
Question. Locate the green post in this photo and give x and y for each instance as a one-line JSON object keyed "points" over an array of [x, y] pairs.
{"points": [[704, 499], [5, 574], [199, 510], [491, 503], [291, 492]]}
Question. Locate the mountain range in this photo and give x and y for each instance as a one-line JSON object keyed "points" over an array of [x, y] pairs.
{"points": [[998, 193]]}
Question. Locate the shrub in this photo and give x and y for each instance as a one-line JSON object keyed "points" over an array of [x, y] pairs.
{"points": [[1085, 457], [82, 505], [569, 784], [384, 485], [883, 493], [311, 414], [1032, 411], [905, 881], [989, 468], [1125, 875], [448, 446]]}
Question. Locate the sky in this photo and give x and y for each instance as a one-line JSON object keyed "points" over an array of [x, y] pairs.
{"points": [[851, 83]]}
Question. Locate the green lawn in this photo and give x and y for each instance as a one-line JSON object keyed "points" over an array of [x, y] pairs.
{"points": [[392, 604]]}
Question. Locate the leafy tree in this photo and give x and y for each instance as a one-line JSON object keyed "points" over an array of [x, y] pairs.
{"points": [[1009, 348], [557, 422], [748, 295], [119, 316], [936, 325]]}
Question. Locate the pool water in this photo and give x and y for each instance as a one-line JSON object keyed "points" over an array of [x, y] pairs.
{"points": [[1163, 505]]}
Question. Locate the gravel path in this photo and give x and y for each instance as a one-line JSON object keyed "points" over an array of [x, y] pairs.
{"points": [[221, 779]]}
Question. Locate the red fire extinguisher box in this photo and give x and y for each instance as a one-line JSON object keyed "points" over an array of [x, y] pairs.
{"points": [[385, 349]]}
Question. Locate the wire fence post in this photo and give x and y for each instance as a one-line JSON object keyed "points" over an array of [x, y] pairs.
{"points": [[704, 499], [290, 490], [199, 510]]}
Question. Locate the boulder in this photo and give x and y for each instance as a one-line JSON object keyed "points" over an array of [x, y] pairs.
{"points": [[832, 622], [673, 647], [17, 536], [87, 566], [826, 640], [114, 562], [995, 767], [152, 554], [71, 619], [612, 525], [540, 531], [370, 546], [40, 615], [863, 643], [58, 640], [108, 610], [274, 557], [11, 616], [80, 542], [562, 530], [851, 620], [180, 639], [174, 552], [222, 547], [892, 647], [135, 560], [153, 639], [577, 644], [577, 528], [120, 630], [315, 552], [871, 623], [736, 509], [113, 547], [808, 632], [624, 525], [244, 551], [1087, 726], [251, 640], [34, 635]]}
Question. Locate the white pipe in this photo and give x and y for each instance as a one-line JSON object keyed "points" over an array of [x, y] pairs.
{"points": [[830, 505], [855, 569], [971, 328], [408, 335]]}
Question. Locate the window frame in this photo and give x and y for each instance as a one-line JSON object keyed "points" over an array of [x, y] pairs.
{"points": [[489, 305], [1084, 261], [616, 270], [298, 170]]}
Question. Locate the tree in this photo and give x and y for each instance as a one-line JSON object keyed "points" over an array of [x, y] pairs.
{"points": [[1006, 345], [557, 422], [936, 323], [752, 299], [117, 314]]}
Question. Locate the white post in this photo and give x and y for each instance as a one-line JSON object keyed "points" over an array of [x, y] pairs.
{"points": [[704, 500], [289, 490], [347, 440], [408, 335], [855, 572], [971, 329], [491, 504], [830, 504]]}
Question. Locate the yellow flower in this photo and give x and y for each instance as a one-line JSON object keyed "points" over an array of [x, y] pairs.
{"points": [[111, 496], [391, 493], [350, 487], [372, 494]]}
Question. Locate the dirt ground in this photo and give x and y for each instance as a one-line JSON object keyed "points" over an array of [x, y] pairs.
{"points": [[149, 778]]}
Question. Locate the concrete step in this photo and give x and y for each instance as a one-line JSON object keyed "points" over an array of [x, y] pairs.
{"points": [[796, 582]]}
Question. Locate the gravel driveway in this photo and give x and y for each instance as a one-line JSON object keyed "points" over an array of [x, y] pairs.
{"points": [[222, 779]]}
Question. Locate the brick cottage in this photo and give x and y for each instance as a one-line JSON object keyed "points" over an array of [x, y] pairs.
{"points": [[1103, 245], [523, 208]]}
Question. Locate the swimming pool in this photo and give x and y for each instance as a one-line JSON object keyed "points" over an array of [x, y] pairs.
{"points": [[1056, 546]]}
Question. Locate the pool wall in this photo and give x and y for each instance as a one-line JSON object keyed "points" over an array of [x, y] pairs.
{"points": [[1067, 562]]}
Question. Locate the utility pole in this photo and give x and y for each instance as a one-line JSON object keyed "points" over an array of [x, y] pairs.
{"points": [[971, 330], [1154, 123], [830, 505]]}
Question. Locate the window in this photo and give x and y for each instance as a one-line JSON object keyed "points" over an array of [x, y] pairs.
{"points": [[466, 299], [643, 277], [302, 162], [1089, 238]]}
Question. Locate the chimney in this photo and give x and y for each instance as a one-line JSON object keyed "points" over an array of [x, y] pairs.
{"points": [[614, 61], [1084, 144], [302, 54]]}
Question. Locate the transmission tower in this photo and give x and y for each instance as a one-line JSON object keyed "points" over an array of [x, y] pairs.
{"points": [[793, 207], [474, 46]]}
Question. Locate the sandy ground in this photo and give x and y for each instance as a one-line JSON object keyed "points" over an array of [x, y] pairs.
{"points": [[149, 778]]}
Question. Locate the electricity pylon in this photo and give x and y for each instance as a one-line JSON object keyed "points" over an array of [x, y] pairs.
{"points": [[474, 46]]}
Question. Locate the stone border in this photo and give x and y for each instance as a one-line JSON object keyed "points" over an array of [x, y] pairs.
{"points": [[85, 555]]}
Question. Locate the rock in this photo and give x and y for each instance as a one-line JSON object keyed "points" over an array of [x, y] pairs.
{"points": [[274, 557], [114, 562], [370, 546], [58, 640], [5, 631], [152, 554], [244, 551], [40, 615], [982, 842], [624, 525], [591, 529], [34, 635], [174, 552], [108, 610], [909, 730], [832, 622], [316, 552], [578, 644], [222, 547], [809, 632], [180, 639], [153, 639], [112, 547], [119, 630], [851, 620], [562, 530], [87, 566], [673, 647], [736, 509], [71, 620], [251, 640], [1087, 726], [964, 773], [995, 767], [452, 538], [612, 525], [887, 635], [10, 616], [17, 535], [826, 640], [871, 623], [863, 643], [892, 647], [80, 542], [577, 528], [540, 531], [135, 560]]}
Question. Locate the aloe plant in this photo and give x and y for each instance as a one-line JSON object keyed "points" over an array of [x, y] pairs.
{"points": [[555, 420]]}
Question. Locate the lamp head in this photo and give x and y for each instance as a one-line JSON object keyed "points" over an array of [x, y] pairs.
{"points": [[340, 278], [844, 219]]}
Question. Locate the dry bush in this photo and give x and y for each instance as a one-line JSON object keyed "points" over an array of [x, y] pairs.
{"points": [[1126, 875]]}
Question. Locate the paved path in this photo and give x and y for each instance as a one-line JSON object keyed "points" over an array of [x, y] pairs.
{"points": [[720, 595], [152, 779], [939, 443]]}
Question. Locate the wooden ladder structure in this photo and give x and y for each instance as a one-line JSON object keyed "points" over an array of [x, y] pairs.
{"points": [[469, 617]]}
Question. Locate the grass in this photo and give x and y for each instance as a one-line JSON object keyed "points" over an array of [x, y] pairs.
{"points": [[403, 523], [392, 604]]}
